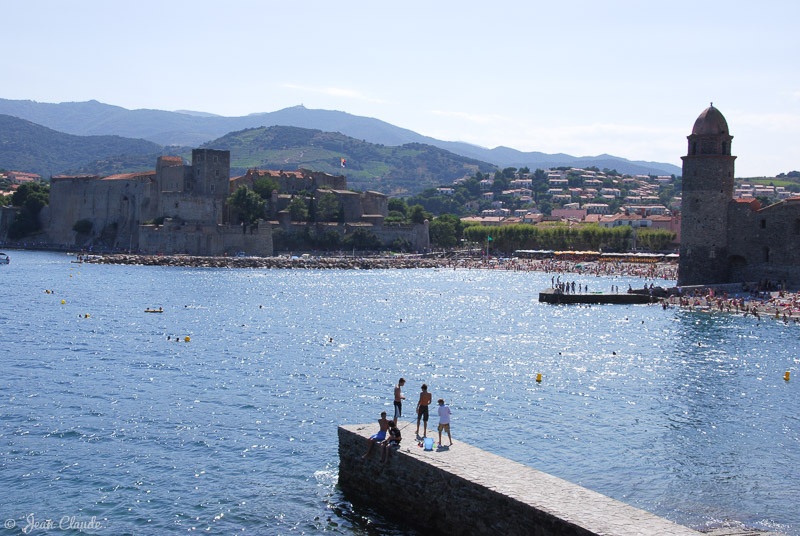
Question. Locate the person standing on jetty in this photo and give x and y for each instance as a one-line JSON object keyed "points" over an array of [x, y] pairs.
{"points": [[422, 409], [398, 399], [444, 421], [380, 436]]}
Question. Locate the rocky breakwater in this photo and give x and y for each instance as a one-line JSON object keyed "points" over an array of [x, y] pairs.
{"points": [[465, 490], [318, 263]]}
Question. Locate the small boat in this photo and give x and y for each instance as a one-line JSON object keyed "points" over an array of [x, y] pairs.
{"points": [[4, 258], [159, 310]]}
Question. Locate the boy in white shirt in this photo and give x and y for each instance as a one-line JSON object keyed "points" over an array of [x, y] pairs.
{"points": [[444, 421]]}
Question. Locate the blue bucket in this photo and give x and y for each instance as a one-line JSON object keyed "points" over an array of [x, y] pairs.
{"points": [[428, 443]]}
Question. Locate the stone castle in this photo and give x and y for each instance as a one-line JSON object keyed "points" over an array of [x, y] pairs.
{"points": [[180, 208], [727, 240]]}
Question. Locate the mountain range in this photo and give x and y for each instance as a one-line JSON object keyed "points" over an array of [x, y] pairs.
{"points": [[26, 146], [192, 129], [398, 170]]}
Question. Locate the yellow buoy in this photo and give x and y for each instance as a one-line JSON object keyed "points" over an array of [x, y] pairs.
{"points": [[187, 339], [63, 302], [539, 377], [786, 376]]}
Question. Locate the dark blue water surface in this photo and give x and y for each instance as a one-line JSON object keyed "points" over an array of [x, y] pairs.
{"points": [[683, 414]]}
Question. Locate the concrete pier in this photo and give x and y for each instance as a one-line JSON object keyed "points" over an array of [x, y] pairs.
{"points": [[465, 490], [556, 296]]}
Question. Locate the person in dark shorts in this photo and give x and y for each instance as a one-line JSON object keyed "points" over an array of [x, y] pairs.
{"points": [[422, 409], [398, 399]]}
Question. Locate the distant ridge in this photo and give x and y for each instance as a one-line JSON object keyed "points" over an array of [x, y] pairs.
{"points": [[192, 129], [26, 146]]}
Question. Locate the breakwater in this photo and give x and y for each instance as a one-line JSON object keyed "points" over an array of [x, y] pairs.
{"points": [[319, 263], [465, 490]]}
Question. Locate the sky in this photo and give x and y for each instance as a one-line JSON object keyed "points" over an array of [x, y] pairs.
{"points": [[626, 78]]}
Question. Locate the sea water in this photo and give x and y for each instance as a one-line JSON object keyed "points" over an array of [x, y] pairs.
{"points": [[109, 416]]}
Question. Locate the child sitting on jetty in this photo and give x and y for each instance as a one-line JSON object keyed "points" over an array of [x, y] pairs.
{"points": [[380, 436], [392, 441]]}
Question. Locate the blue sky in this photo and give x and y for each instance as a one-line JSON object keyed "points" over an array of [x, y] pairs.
{"points": [[584, 78]]}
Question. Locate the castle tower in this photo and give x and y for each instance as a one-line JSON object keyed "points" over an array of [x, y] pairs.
{"points": [[211, 173], [707, 191]]}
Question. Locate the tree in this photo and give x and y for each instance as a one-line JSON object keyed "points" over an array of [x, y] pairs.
{"points": [[30, 197], [655, 239], [417, 214], [362, 239], [298, 209], [264, 186], [327, 207], [398, 205], [443, 233], [248, 204]]}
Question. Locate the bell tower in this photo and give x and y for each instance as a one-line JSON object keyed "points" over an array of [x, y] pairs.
{"points": [[706, 194]]}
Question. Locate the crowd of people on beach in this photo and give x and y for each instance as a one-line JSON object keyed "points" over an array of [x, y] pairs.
{"points": [[761, 299], [389, 435], [660, 270]]}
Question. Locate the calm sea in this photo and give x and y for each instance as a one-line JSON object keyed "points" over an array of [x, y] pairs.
{"points": [[683, 414]]}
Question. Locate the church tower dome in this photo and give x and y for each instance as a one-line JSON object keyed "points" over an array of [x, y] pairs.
{"points": [[706, 193], [710, 123]]}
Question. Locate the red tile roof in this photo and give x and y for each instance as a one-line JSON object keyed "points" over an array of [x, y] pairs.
{"points": [[276, 174], [124, 176]]}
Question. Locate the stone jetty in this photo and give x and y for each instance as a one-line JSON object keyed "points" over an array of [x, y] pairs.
{"points": [[319, 263], [465, 490]]}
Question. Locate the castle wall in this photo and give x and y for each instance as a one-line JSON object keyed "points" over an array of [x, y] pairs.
{"points": [[765, 244], [375, 203], [350, 203], [191, 208], [207, 239], [416, 234], [124, 202]]}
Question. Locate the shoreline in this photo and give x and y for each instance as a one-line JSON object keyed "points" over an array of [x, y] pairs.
{"points": [[783, 306]]}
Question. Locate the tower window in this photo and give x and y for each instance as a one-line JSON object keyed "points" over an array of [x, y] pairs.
{"points": [[766, 254], [797, 227], [763, 224]]}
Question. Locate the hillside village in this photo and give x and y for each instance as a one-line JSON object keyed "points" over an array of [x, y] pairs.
{"points": [[576, 196]]}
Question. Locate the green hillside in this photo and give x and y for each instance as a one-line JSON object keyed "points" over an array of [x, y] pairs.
{"points": [[406, 169], [26, 146]]}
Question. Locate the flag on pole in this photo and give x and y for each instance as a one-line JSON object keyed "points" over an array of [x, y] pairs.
{"points": [[489, 238], [343, 163]]}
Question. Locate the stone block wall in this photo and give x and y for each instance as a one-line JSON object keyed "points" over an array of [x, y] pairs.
{"points": [[765, 243], [465, 490], [214, 240], [123, 202], [375, 203], [190, 208]]}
